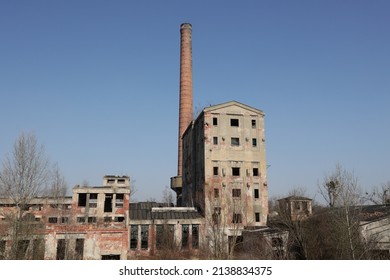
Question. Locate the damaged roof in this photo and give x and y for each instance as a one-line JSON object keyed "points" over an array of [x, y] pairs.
{"points": [[160, 211]]}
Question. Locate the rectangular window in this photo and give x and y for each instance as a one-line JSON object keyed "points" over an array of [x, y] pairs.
{"points": [[257, 217], [215, 121], [253, 123], [133, 237], [61, 249], [91, 220], [38, 249], [2, 249], [235, 171], [215, 140], [236, 193], [119, 219], [234, 122], [254, 142], [82, 200], [64, 220], [235, 141], [80, 220], [144, 237], [108, 203], [216, 215], [256, 194], [93, 200], [53, 220], [195, 236], [255, 171], [215, 170], [184, 235], [237, 218], [79, 250], [119, 200], [216, 193], [107, 219]]}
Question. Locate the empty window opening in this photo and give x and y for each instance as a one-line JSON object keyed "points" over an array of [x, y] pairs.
{"points": [[91, 220], [216, 215], [110, 181], [38, 249], [80, 220], [195, 236], [256, 194], [255, 171], [79, 249], [216, 193], [82, 200], [119, 200], [108, 203], [61, 249], [234, 122], [215, 121], [53, 220], [235, 171], [144, 237], [107, 219], [235, 141], [215, 170], [165, 237], [2, 249], [257, 217], [119, 219], [237, 218], [236, 193], [297, 205], [93, 200], [111, 257], [184, 236], [134, 237], [64, 220], [254, 142], [121, 181], [253, 123], [215, 140]]}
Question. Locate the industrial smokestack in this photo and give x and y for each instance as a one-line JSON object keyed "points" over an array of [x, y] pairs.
{"points": [[185, 107]]}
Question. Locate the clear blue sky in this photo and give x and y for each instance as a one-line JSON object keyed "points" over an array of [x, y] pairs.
{"points": [[98, 83]]}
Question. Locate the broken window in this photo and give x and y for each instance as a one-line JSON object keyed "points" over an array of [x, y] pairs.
{"points": [[184, 235], [80, 220], [254, 142], [215, 170], [235, 141], [61, 249], [82, 200], [216, 215], [107, 219], [91, 220], [119, 200], [253, 123], [297, 205], [64, 220], [235, 171], [195, 236], [110, 181], [121, 181], [236, 193], [256, 193], [2, 249], [108, 203], [215, 121], [164, 236], [215, 140], [53, 220], [257, 217], [255, 171], [93, 200], [79, 250], [133, 237], [216, 193], [144, 237], [237, 218], [38, 249], [119, 219], [234, 122]]}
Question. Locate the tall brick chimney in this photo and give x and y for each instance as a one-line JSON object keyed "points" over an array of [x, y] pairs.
{"points": [[185, 109], [185, 102]]}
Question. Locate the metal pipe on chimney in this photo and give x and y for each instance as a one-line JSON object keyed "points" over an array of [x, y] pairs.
{"points": [[185, 106]]}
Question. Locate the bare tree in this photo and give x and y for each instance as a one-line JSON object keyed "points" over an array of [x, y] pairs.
{"points": [[379, 195], [23, 177]]}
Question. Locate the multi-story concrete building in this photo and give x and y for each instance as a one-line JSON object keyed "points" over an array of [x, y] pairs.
{"points": [[224, 167]]}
